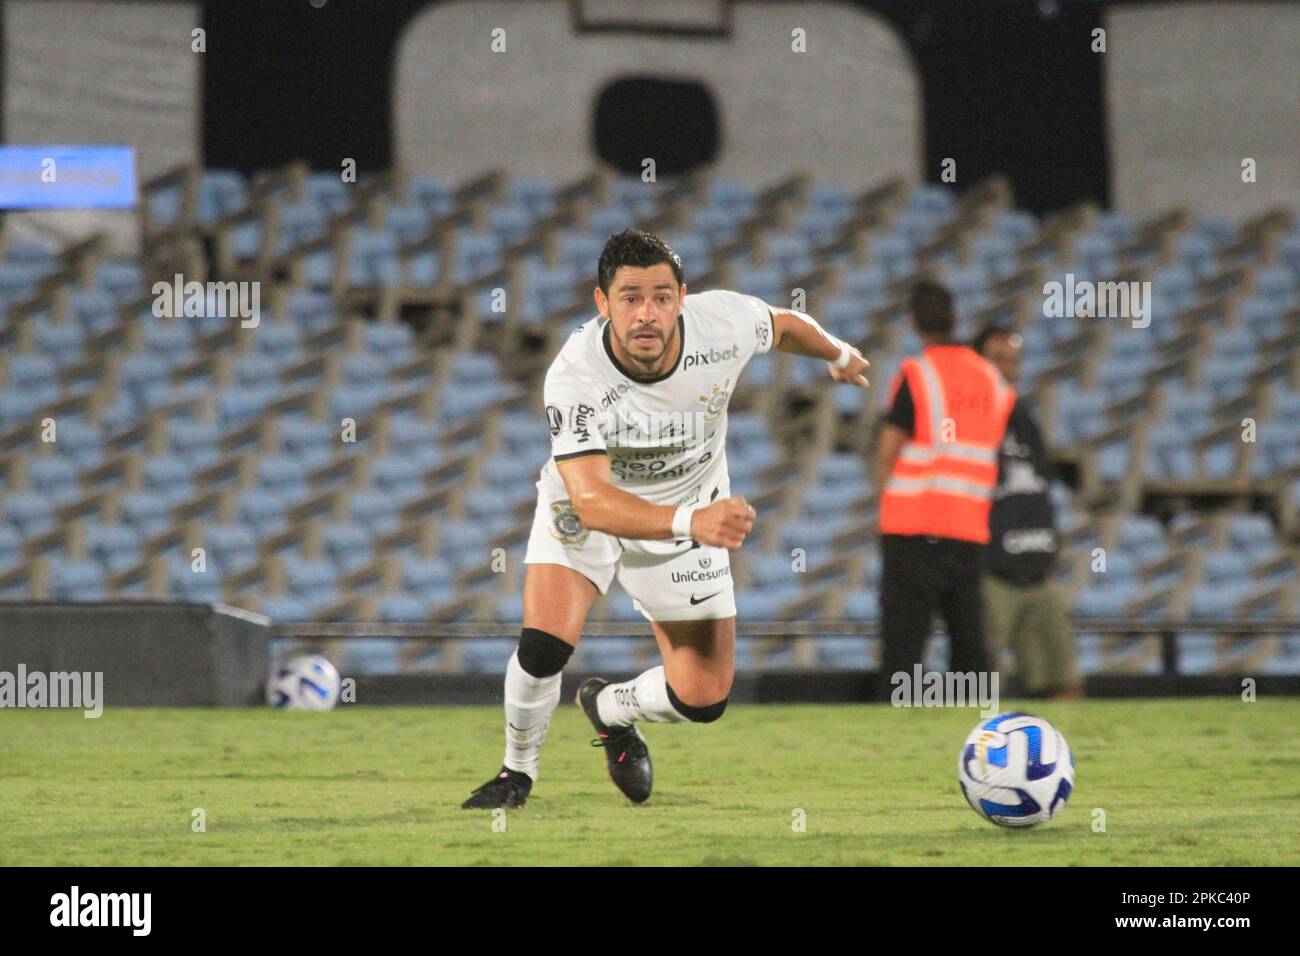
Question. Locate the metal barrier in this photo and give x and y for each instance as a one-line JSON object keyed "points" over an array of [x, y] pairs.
{"points": [[1167, 629]]}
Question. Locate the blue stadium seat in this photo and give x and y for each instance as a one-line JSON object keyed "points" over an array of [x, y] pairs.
{"points": [[398, 475], [357, 402], [147, 512], [400, 607], [377, 655], [717, 227], [75, 580], [239, 406], [1287, 658], [62, 341], [285, 607], [18, 280], [433, 193], [1252, 534], [1080, 414], [534, 194], [764, 604], [263, 510], [818, 227], [328, 193], [1122, 375], [477, 254], [733, 197], [120, 279], [862, 604], [56, 476], [1225, 569], [1176, 285], [221, 192], [1219, 459], [845, 315], [1107, 597], [1140, 537], [1197, 252], [409, 222], [11, 547], [1099, 254], [1189, 409], [640, 199], [309, 577], [1113, 460], [844, 653], [281, 474], [348, 545], [168, 476], [115, 547], [186, 584], [374, 259], [771, 570], [605, 221], [299, 224], [231, 547], [893, 254], [377, 509], [1218, 600], [311, 442], [760, 372], [765, 282], [486, 655], [420, 574], [611, 657], [790, 253], [1197, 653]]}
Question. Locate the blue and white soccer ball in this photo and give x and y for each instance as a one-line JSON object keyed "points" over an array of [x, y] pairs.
{"points": [[1016, 770], [308, 682]]}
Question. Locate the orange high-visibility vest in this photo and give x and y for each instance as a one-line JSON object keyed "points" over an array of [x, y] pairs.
{"points": [[943, 481]]}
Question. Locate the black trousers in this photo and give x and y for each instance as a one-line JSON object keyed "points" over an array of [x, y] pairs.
{"points": [[919, 576]]}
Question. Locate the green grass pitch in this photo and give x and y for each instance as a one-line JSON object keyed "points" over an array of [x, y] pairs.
{"points": [[1183, 782]]}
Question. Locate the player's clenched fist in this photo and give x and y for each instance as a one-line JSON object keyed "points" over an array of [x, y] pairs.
{"points": [[724, 523]]}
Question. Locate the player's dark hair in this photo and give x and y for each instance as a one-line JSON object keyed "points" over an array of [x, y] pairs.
{"points": [[992, 331], [932, 309], [632, 247]]}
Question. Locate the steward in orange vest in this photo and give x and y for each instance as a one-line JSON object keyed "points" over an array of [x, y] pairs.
{"points": [[943, 479], [936, 469]]}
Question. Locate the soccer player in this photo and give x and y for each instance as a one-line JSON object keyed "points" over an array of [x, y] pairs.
{"points": [[637, 486]]}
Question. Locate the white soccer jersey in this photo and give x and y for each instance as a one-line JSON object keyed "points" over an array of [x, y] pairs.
{"points": [[664, 436]]}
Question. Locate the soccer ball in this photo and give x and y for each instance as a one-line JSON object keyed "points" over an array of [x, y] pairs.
{"points": [[309, 682], [1015, 770]]}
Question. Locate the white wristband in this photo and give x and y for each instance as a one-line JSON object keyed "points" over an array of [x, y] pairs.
{"points": [[682, 521], [845, 354]]}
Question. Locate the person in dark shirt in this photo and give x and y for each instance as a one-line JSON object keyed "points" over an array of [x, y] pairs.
{"points": [[1022, 607]]}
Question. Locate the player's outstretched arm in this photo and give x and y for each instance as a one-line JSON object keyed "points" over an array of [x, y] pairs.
{"points": [[603, 507], [800, 334]]}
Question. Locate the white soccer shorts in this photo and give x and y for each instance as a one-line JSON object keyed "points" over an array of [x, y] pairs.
{"points": [[693, 584]]}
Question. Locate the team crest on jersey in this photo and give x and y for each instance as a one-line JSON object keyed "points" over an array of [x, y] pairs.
{"points": [[565, 526], [716, 401]]}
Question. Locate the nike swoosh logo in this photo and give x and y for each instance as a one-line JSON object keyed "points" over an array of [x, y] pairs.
{"points": [[695, 600]]}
